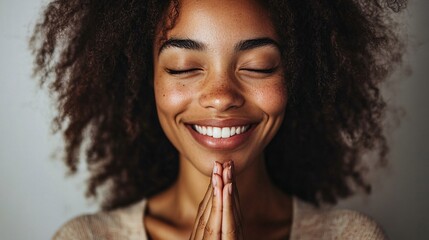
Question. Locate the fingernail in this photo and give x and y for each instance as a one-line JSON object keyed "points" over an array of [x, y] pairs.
{"points": [[215, 169], [214, 180], [230, 189], [229, 173]]}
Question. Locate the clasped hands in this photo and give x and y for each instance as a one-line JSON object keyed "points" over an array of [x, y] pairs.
{"points": [[219, 215]]}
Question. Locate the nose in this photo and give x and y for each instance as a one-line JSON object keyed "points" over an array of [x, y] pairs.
{"points": [[221, 93]]}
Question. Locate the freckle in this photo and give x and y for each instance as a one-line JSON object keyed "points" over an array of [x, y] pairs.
{"points": [[183, 85], [163, 95]]}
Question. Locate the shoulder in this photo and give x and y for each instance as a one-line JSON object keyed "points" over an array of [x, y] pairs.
{"points": [[87, 227], [123, 223], [314, 223], [348, 224]]}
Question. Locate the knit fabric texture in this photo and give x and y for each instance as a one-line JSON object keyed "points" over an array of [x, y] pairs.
{"points": [[309, 223]]}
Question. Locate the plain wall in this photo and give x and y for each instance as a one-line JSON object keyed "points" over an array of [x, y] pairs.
{"points": [[36, 197]]}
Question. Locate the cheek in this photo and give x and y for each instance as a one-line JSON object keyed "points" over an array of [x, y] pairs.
{"points": [[272, 99], [171, 98]]}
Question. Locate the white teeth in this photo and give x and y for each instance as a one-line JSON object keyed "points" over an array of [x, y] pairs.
{"points": [[217, 132], [238, 130], [226, 132]]}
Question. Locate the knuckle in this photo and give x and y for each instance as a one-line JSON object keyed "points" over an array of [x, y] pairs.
{"points": [[200, 207], [230, 233], [208, 230], [214, 207], [202, 224]]}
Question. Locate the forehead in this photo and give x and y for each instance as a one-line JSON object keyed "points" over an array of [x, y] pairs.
{"points": [[221, 20]]}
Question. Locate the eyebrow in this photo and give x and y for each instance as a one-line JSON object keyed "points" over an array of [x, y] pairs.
{"points": [[182, 43], [255, 43], [199, 46]]}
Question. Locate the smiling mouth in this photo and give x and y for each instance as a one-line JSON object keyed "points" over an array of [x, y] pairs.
{"points": [[218, 132]]}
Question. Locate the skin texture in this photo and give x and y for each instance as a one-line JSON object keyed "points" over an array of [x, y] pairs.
{"points": [[219, 84], [221, 87], [114, 74], [97, 60], [103, 63]]}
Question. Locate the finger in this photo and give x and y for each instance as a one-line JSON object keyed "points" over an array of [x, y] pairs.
{"points": [[206, 197], [227, 174], [229, 221], [236, 195], [204, 204], [233, 206], [214, 224], [236, 203], [202, 221]]}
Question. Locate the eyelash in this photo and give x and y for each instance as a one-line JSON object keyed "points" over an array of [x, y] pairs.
{"points": [[266, 71], [178, 72]]}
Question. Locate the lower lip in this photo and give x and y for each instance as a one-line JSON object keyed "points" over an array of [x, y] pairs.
{"points": [[221, 143]]}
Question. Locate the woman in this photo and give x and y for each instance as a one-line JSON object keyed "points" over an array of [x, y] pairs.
{"points": [[269, 103]]}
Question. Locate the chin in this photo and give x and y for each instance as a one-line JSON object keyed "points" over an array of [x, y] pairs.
{"points": [[241, 161]]}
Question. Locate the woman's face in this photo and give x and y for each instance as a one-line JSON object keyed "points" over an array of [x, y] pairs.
{"points": [[219, 84]]}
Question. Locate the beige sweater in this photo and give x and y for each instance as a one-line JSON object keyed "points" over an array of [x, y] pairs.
{"points": [[308, 223]]}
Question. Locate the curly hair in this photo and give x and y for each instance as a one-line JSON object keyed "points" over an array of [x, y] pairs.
{"points": [[97, 59]]}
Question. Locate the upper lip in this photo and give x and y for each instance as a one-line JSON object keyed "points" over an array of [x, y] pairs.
{"points": [[231, 122]]}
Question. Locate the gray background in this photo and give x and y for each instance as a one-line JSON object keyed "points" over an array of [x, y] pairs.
{"points": [[36, 197]]}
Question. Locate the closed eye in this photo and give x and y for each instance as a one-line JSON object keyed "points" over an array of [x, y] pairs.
{"points": [[181, 71], [265, 70]]}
